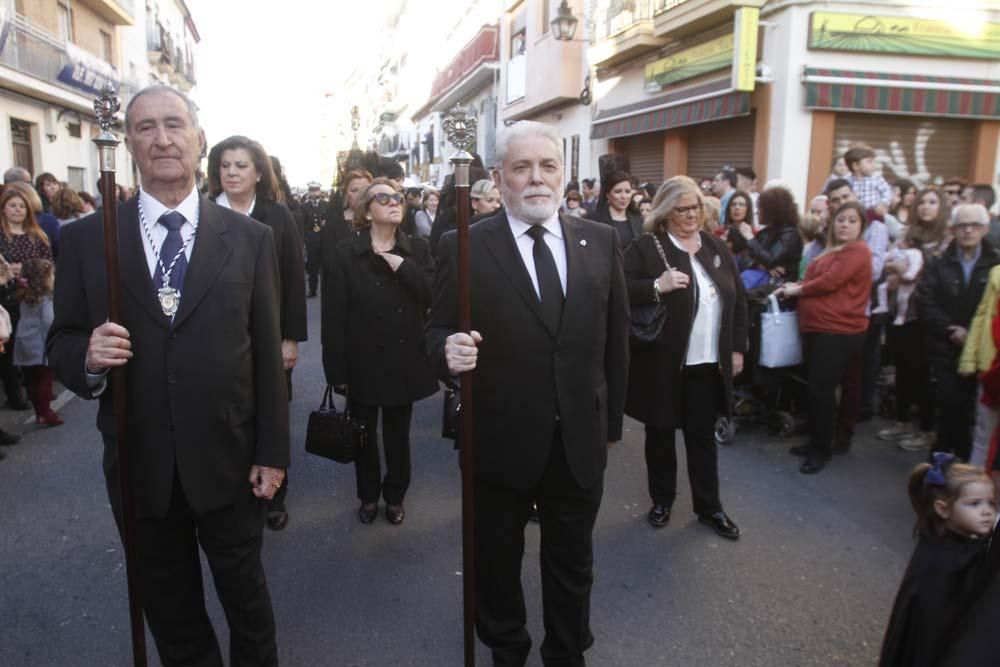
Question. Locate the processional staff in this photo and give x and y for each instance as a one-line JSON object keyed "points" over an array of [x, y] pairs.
{"points": [[106, 106], [460, 128]]}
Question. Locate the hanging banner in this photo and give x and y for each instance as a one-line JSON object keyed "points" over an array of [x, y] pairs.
{"points": [[904, 35], [707, 57], [85, 71], [745, 28]]}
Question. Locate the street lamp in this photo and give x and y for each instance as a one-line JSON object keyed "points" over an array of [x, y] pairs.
{"points": [[564, 24]]}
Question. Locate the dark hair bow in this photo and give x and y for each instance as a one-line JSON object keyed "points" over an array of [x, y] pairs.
{"points": [[939, 468]]}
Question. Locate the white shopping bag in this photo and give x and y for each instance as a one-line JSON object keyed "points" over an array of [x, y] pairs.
{"points": [[780, 343]]}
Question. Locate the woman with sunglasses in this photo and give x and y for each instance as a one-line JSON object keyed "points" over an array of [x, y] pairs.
{"points": [[373, 337]]}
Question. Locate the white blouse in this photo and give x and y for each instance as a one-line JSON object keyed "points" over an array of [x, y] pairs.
{"points": [[703, 345]]}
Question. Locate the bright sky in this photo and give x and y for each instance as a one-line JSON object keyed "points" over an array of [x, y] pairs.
{"points": [[263, 68]]}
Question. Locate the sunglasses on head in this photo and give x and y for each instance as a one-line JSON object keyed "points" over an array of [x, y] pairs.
{"points": [[384, 198]]}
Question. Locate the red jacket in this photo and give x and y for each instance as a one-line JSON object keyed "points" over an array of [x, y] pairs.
{"points": [[836, 291]]}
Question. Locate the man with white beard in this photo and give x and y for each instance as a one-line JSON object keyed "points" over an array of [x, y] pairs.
{"points": [[549, 348]]}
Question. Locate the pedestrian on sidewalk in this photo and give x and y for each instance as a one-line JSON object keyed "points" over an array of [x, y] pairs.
{"points": [[833, 299], [34, 294]]}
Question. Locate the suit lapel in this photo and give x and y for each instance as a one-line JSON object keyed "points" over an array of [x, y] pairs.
{"points": [[132, 258], [502, 246], [208, 257]]}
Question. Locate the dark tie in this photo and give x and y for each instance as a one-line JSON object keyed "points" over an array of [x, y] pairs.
{"points": [[173, 221], [549, 285]]}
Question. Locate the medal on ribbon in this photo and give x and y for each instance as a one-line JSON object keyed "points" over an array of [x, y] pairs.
{"points": [[170, 300]]}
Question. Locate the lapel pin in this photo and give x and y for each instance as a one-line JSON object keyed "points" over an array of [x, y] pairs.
{"points": [[717, 261], [583, 242]]}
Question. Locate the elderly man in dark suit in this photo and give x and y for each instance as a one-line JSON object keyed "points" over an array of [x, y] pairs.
{"points": [[550, 354], [207, 408]]}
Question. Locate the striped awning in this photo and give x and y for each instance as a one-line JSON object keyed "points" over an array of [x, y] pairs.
{"points": [[912, 94], [669, 111]]}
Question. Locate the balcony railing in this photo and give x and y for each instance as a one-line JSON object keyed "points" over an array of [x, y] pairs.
{"points": [[32, 50], [612, 17]]}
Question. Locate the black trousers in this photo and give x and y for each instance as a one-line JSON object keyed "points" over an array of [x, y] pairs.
{"points": [[908, 346], [395, 442], [173, 594], [829, 360], [701, 400], [10, 375], [957, 402], [314, 260], [871, 364], [566, 515]]}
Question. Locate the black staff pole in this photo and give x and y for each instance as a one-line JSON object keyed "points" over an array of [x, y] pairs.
{"points": [[460, 128], [106, 106]]}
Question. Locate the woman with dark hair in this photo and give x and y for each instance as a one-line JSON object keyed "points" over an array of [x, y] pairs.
{"points": [[614, 207], [833, 304], [21, 239], [241, 178], [373, 333], [47, 185], [777, 249], [684, 379]]}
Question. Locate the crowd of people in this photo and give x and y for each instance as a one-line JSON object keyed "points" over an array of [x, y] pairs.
{"points": [[885, 278]]}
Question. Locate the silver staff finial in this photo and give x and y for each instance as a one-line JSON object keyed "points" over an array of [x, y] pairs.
{"points": [[106, 106], [460, 128]]}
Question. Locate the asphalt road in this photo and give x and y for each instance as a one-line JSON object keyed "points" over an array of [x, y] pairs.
{"points": [[810, 583]]}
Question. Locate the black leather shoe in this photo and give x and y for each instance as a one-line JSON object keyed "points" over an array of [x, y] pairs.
{"points": [[367, 512], [19, 405], [8, 438], [659, 516], [722, 525], [812, 465], [277, 520], [799, 450], [395, 514], [533, 513]]}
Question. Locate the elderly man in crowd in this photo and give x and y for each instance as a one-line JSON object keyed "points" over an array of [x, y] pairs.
{"points": [[553, 288], [207, 407], [948, 294]]}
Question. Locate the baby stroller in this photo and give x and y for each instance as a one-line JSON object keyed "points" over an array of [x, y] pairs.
{"points": [[763, 396]]}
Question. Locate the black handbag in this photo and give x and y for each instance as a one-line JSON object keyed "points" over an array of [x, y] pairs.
{"points": [[335, 435], [452, 409], [647, 319]]}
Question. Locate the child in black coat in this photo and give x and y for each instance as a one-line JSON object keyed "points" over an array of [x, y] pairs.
{"points": [[956, 513]]}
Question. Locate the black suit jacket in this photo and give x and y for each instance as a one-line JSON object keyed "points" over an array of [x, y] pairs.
{"points": [[527, 376], [206, 394], [291, 267]]}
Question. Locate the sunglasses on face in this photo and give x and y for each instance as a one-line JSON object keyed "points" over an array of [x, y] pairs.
{"points": [[383, 198]]}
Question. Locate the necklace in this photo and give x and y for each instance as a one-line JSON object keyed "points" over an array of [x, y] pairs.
{"points": [[169, 297]]}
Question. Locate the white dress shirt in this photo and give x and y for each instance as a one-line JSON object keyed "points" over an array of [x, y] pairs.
{"points": [[703, 345], [223, 200], [151, 211], [553, 239]]}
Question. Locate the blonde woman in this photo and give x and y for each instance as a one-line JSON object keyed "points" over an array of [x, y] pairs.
{"points": [[684, 379]]}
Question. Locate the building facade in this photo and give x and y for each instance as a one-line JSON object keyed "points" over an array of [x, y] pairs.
{"points": [[690, 86], [55, 55]]}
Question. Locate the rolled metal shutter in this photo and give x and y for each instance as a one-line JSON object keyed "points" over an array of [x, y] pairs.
{"points": [[712, 146], [924, 149], [645, 153]]}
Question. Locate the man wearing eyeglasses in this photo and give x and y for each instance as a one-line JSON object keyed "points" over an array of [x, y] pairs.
{"points": [[952, 189]]}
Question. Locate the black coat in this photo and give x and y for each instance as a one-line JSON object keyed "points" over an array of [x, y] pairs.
{"points": [[656, 367], [291, 267], [206, 394], [945, 300], [373, 322], [772, 248], [336, 229], [634, 222], [527, 375]]}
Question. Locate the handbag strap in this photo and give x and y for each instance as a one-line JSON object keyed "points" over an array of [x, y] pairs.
{"points": [[659, 249], [328, 403]]}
